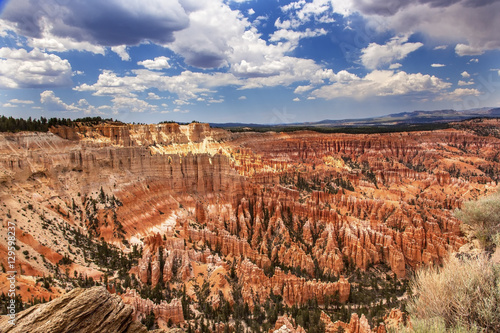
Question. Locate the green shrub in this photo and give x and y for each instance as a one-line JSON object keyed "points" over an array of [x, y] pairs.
{"points": [[483, 216], [433, 325]]}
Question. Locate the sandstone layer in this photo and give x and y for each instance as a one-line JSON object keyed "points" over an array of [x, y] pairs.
{"points": [[81, 310]]}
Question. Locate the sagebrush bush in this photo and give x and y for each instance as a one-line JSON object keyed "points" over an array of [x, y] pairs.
{"points": [[483, 216], [464, 293]]}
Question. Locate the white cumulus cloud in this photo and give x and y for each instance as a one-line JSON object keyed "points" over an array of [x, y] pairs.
{"points": [[152, 95], [121, 50], [459, 94], [53, 103], [295, 36], [397, 48], [302, 12], [207, 42], [122, 104], [382, 83], [465, 83], [468, 50], [396, 65], [302, 89], [21, 101], [187, 85], [22, 69], [157, 63]]}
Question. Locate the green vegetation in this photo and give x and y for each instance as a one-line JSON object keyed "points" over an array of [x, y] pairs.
{"points": [[483, 216], [65, 260], [482, 130], [5, 301], [329, 184], [463, 295], [32, 125], [149, 321], [14, 125], [108, 203], [433, 325], [372, 293], [178, 122]]}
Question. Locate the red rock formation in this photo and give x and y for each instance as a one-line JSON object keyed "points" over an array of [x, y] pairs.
{"points": [[362, 200], [257, 286], [163, 312], [140, 135], [284, 325], [229, 245], [395, 320], [355, 325], [177, 258]]}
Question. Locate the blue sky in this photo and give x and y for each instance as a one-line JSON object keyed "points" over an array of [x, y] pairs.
{"points": [[259, 61]]}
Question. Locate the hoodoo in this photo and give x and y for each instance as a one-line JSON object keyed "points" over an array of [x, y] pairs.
{"points": [[183, 220]]}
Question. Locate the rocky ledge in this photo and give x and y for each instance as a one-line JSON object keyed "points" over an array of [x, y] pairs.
{"points": [[81, 310]]}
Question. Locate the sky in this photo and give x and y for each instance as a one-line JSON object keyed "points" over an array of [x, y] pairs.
{"points": [[250, 61]]}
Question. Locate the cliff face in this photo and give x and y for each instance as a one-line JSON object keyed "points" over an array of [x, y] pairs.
{"points": [[128, 135], [293, 215]]}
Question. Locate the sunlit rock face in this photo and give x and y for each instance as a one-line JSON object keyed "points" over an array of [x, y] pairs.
{"points": [[288, 214], [81, 310]]}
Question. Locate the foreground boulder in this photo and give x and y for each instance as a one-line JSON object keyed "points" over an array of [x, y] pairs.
{"points": [[80, 310]]}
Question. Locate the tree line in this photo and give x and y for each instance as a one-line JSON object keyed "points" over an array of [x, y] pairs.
{"points": [[14, 125]]}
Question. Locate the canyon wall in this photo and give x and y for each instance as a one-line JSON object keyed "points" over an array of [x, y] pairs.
{"points": [[293, 214]]}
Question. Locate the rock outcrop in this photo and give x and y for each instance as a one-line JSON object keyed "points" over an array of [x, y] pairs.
{"points": [[355, 325], [394, 321], [164, 312], [127, 135], [257, 287], [284, 325], [81, 310]]}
